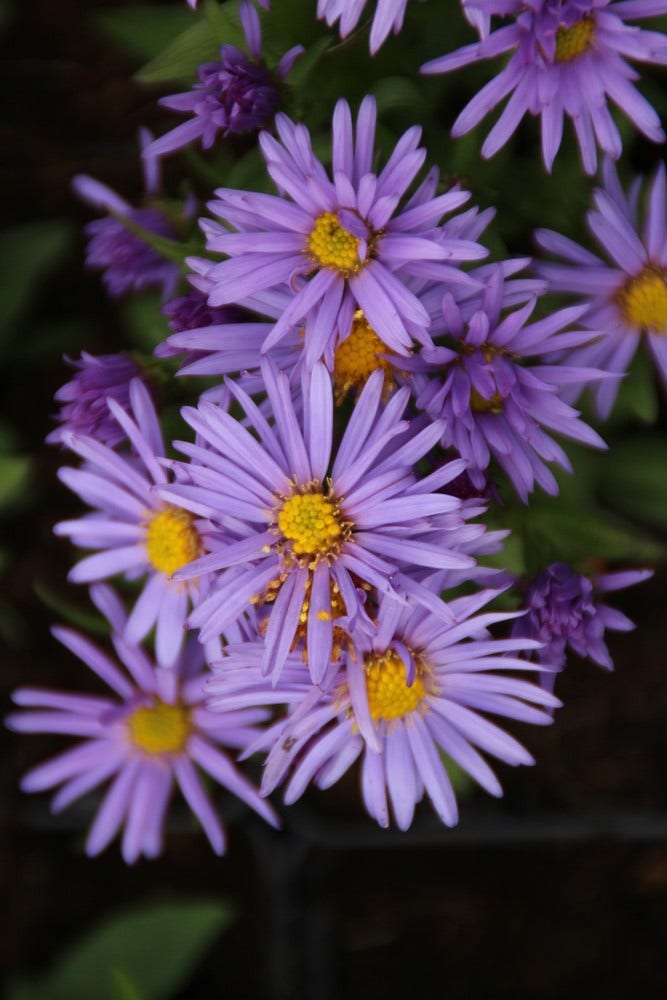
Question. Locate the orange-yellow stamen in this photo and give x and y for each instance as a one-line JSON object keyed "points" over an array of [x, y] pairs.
{"points": [[572, 41], [331, 245], [389, 696], [172, 540], [358, 356], [160, 728], [478, 404], [311, 523], [643, 300]]}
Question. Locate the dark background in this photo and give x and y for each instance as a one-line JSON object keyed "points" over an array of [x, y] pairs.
{"points": [[559, 887]]}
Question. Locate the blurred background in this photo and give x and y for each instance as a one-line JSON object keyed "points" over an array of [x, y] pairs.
{"points": [[560, 886]]}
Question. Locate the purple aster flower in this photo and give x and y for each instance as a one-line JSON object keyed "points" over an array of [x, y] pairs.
{"points": [[340, 245], [192, 312], [565, 613], [492, 404], [228, 340], [127, 263], [235, 95], [627, 297], [567, 58], [416, 687], [152, 733], [132, 530], [310, 526], [83, 399], [388, 17]]}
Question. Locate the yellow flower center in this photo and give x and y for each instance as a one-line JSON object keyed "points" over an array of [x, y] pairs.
{"points": [[357, 357], [480, 405], [572, 41], [172, 540], [311, 523], [643, 300], [331, 245], [389, 696], [160, 728]]}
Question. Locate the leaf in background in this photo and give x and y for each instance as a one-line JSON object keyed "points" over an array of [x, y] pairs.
{"points": [[14, 479], [27, 254], [122, 987], [558, 532], [198, 44], [637, 397], [148, 952], [71, 613], [169, 249], [307, 62], [636, 480], [397, 92], [145, 30], [145, 323]]}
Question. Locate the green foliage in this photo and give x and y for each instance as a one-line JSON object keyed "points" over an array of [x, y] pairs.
{"points": [[28, 254], [146, 953], [143, 31], [15, 473], [69, 612], [199, 43], [636, 481]]}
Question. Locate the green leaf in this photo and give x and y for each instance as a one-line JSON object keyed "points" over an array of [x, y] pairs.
{"points": [[553, 531], [70, 613], [397, 92], [638, 395], [307, 62], [148, 952], [198, 44], [27, 254], [146, 325], [169, 249], [636, 481], [145, 30], [122, 987], [14, 478]]}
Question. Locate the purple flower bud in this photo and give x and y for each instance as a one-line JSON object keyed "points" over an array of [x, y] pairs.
{"points": [[127, 263], [83, 399], [564, 612], [235, 95]]}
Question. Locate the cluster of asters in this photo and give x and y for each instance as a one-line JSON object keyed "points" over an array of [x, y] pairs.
{"points": [[306, 579]]}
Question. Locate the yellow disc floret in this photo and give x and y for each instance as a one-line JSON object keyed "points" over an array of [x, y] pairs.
{"points": [[643, 300], [310, 522], [389, 696], [331, 245], [572, 41], [172, 540], [478, 404], [159, 728], [358, 356]]}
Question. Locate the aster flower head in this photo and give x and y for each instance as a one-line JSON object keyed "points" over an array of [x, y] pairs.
{"points": [[237, 94], [130, 529], [343, 245], [228, 340], [151, 733], [568, 58], [416, 687], [565, 612], [83, 399], [493, 404], [388, 17], [309, 526], [128, 264], [626, 294]]}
